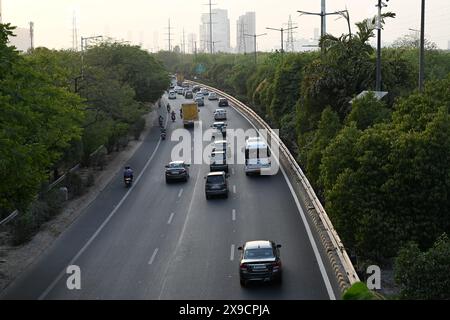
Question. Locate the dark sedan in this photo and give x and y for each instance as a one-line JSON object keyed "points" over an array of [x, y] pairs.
{"points": [[260, 261], [223, 102], [177, 170]]}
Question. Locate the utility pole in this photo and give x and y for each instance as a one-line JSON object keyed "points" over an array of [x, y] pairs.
{"points": [[422, 47], [254, 39], [169, 34], [184, 43], [378, 70], [322, 14], [74, 33], [281, 30], [211, 42], [31, 35]]}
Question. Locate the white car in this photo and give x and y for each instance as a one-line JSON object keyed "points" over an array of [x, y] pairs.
{"points": [[172, 94], [212, 96], [220, 114], [204, 91]]}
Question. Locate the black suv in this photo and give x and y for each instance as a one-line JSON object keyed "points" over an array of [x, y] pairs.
{"points": [[223, 102], [216, 184], [260, 260], [177, 170]]}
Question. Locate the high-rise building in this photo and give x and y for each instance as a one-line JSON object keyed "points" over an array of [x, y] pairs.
{"points": [[246, 24], [22, 39], [0, 11], [220, 31]]}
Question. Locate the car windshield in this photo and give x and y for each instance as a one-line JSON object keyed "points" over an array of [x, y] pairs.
{"points": [[176, 165], [214, 179], [259, 253]]}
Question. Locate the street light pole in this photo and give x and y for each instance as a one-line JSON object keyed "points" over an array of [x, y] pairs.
{"points": [[378, 70], [422, 47], [281, 30], [254, 39]]}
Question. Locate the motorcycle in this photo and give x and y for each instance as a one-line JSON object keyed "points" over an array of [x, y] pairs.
{"points": [[163, 134], [128, 181], [173, 117]]}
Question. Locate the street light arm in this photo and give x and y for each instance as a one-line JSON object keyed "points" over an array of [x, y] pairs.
{"points": [[274, 29]]}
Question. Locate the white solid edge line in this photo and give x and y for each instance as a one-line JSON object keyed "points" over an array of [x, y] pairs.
{"points": [[232, 252], [170, 218], [323, 271], [92, 238], [153, 256]]}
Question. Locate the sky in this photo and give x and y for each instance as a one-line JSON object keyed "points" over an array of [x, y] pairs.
{"points": [[145, 21]]}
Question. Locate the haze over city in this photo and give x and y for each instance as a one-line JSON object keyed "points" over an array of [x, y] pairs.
{"points": [[145, 22]]}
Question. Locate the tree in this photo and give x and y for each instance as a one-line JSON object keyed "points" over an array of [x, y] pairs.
{"points": [[424, 274], [38, 122]]}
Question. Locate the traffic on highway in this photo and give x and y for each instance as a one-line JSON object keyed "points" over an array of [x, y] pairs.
{"points": [[186, 230]]}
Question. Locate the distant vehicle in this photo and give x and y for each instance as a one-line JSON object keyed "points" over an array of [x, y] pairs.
{"points": [[190, 113], [204, 91], [188, 94], [177, 170], [223, 102], [199, 94], [185, 84], [220, 126], [220, 145], [180, 79], [218, 161], [212, 96], [216, 184], [220, 114], [172, 94], [200, 101], [196, 89], [260, 261], [257, 155], [179, 90], [172, 86]]}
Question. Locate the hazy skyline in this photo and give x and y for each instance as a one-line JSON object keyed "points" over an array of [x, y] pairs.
{"points": [[145, 21]]}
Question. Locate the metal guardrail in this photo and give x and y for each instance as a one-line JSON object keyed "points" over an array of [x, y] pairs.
{"points": [[9, 218], [344, 261]]}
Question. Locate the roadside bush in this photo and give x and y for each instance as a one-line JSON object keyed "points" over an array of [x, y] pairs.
{"points": [[359, 291], [75, 184], [90, 180], [424, 275], [137, 128], [23, 228]]}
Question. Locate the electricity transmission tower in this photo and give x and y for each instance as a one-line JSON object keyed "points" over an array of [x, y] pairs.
{"points": [[242, 27], [290, 37], [169, 35], [210, 23], [74, 33]]}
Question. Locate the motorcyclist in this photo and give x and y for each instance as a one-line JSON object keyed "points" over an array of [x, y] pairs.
{"points": [[128, 173], [168, 108], [173, 116], [161, 119], [181, 113]]}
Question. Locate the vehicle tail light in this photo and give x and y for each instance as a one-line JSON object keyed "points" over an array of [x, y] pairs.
{"points": [[276, 265], [243, 266]]}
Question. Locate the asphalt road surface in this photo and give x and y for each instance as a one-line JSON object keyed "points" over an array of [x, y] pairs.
{"points": [[166, 241]]}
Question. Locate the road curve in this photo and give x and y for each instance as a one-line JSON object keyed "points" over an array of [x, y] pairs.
{"points": [[165, 241]]}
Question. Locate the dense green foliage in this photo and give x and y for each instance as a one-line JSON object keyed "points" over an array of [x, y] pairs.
{"points": [[52, 117], [381, 167], [359, 291], [424, 275]]}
